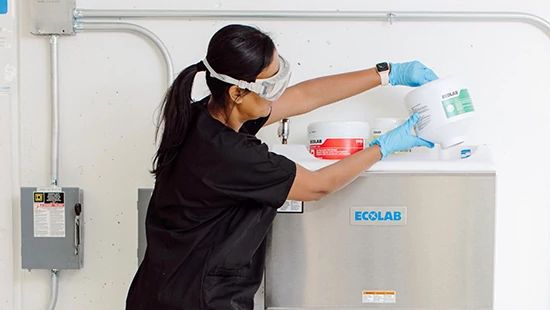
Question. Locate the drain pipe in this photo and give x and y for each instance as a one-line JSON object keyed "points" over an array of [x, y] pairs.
{"points": [[284, 130]]}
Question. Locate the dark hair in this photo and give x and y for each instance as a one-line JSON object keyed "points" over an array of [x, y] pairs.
{"points": [[239, 51]]}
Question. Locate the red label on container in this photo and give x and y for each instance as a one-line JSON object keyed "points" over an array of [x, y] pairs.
{"points": [[337, 148]]}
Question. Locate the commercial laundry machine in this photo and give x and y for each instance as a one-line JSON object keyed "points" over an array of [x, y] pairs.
{"points": [[416, 231]]}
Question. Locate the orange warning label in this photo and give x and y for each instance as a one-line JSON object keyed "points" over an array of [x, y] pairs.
{"points": [[379, 296], [379, 292], [336, 148]]}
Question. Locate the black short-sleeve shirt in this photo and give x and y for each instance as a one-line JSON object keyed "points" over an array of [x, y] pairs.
{"points": [[208, 218]]}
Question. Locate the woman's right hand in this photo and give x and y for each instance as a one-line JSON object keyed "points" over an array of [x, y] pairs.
{"points": [[412, 73], [400, 138]]}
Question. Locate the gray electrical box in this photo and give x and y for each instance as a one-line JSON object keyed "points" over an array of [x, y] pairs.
{"points": [[51, 228], [52, 17]]}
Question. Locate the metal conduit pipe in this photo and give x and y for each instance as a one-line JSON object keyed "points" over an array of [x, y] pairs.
{"points": [[54, 74], [419, 16], [129, 27], [54, 292]]}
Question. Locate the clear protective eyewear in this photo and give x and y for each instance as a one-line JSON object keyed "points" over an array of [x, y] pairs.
{"points": [[271, 88]]}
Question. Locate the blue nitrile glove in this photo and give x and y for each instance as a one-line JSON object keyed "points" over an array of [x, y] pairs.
{"points": [[412, 73], [400, 138]]}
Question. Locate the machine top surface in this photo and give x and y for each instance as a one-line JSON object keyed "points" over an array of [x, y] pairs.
{"points": [[477, 159]]}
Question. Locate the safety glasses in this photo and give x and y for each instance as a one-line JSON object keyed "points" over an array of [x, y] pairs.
{"points": [[271, 88]]}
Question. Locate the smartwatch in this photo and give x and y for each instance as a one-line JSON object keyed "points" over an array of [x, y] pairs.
{"points": [[383, 70]]}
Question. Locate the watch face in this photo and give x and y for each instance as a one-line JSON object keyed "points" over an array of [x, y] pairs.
{"points": [[383, 66]]}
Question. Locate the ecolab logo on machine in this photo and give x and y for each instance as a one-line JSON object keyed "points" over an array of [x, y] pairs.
{"points": [[378, 215]]}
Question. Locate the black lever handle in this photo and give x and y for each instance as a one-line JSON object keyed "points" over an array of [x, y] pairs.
{"points": [[77, 211]]}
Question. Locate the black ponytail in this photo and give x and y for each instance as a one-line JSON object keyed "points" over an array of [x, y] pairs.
{"points": [[239, 51], [175, 117]]}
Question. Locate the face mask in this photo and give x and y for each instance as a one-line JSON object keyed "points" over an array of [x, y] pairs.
{"points": [[271, 88]]}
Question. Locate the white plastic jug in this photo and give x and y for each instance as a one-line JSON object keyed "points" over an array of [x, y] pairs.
{"points": [[445, 108]]}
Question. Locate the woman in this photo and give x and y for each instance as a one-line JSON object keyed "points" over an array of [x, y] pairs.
{"points": [[218, 187]]}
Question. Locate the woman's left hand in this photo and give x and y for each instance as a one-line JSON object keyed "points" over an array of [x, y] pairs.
{"points": [[401, 138], [412, 73]]}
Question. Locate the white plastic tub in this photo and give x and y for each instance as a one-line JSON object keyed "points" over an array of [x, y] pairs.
{"points": [[382, 125], [337, 139]]}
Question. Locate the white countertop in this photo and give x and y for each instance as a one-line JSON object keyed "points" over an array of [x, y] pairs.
{"points": [[419, 160]]}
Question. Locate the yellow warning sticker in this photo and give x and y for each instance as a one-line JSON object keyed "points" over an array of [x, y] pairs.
{"points": [[38, 197], [379, 296]]}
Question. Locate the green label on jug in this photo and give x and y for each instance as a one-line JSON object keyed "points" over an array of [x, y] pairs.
{"points": [[456, 103]]}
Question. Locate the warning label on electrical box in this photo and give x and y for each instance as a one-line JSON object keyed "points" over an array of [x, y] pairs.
{"points": [[379, 297], [49, 214]]}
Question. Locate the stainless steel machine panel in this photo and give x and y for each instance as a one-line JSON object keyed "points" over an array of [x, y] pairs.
{"points": [[438, 256]]}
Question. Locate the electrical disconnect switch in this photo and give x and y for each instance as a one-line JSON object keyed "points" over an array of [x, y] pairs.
{"points": [[51, 228]]}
